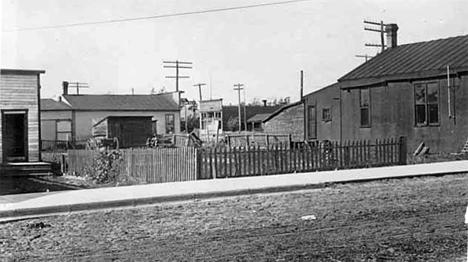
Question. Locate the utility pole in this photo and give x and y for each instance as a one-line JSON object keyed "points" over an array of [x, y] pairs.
{"points": [[238, 89], [199, 89], [380, 29], [78, 86], [245, 113], [177, 65], [366, 56]]}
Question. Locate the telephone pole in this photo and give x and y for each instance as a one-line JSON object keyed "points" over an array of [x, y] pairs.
{"points": [[78, 86], [380, 29], [177, 65], [199, 89], [366, 56], [245, 113], [238, 89]]}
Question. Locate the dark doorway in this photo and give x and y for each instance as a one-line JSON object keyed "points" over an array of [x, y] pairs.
{"points": [[15, 136]]}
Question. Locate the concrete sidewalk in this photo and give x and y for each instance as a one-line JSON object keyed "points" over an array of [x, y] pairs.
{"points": [[89, 199]]}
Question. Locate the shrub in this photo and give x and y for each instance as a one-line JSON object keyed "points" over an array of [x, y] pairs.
{"points": [[105, 167]]}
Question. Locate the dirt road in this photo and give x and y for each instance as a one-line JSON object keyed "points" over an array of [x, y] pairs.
{"points": [[420, 219]]}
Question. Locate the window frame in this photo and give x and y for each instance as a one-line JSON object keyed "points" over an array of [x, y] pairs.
{"points": [[326, 114], [365, 107], [426, 104], [167, 121]]}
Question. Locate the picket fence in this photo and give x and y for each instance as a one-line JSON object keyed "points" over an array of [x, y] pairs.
{"points": [[188, 164], [148, 165]]}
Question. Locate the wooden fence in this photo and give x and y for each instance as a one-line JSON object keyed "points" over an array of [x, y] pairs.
{"points": [[280, 159], [150, 165], [186, 164]]}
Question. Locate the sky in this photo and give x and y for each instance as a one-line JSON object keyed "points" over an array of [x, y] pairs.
{"points": [[264, 47]]}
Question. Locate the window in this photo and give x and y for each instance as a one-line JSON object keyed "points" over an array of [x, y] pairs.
{"points": [[426, 103], [364, 105], [312, 122], [170, 124], [64, 130], [326, 115]]}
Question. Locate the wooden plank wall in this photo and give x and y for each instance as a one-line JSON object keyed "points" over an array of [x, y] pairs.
{"points": [[20, 92]]}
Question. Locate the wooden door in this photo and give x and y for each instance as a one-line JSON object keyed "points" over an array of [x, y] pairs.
{"points": [[15, 136]]}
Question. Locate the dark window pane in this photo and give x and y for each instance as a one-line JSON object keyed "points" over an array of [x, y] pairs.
{"points": [[170, 124], [326, 115], [365, 121], [312, 127], [365, 97], [432, 93], [433, 114], [419, 94], [420, 114]]}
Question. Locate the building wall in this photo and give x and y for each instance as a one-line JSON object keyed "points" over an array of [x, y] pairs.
{"points": [[326, 98], [20, 92], [289, 121], [393, 115], [48, 123], [84, 120]]}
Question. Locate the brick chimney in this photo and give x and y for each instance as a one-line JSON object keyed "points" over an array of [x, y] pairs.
{"points": [[391, 30], [65, 88]]}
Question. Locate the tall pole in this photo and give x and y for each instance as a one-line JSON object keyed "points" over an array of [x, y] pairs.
{"points": [[199, 89], [238, 89], [245, 113], [380, 30], [302, 85], [177, 65]]}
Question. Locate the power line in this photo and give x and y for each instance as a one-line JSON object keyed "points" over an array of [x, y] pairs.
{"points": [[154, 16]]}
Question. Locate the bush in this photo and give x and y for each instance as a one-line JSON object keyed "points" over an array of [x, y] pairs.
{"points": [[105, 167]]}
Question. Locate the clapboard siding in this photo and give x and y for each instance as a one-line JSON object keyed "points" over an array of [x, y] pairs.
{"points": [[19, 91]]}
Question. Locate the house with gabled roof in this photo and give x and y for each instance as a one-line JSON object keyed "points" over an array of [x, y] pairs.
{"points": [[71, 117], [417, 90]]}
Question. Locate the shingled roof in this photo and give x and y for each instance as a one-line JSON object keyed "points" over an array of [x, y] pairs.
{"points": [[48, 104], [159, 102], [416, 60]]}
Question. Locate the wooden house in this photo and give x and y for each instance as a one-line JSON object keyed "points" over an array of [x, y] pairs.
{"points": [[72, 117], [417, 90], [20, 116]]}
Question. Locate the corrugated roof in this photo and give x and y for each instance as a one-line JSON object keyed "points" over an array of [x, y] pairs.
{"points": [[432, 57], [48, 104], [258, 118], [160, 102]]}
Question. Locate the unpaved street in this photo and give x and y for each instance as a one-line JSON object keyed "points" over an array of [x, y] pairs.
{"points": [[420, 219]]}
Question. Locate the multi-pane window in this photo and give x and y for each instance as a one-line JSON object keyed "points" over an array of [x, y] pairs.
{"points": [[364, 106], [170, 124], [426, 103], [326, 115]]}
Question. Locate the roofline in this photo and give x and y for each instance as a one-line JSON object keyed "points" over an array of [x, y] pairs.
{"points": [[321, 89], [7, 71], [384, 80], [107, 117], [343, 78], [281, 110]]}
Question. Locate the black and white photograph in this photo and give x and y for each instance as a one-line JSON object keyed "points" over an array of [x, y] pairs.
{"points": [[234, 130]]}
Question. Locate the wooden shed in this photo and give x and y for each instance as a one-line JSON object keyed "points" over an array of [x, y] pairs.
{"points": [[131, 131], [20, 116]]}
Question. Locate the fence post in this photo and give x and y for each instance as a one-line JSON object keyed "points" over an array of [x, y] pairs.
{"points": [[403, 150]]}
